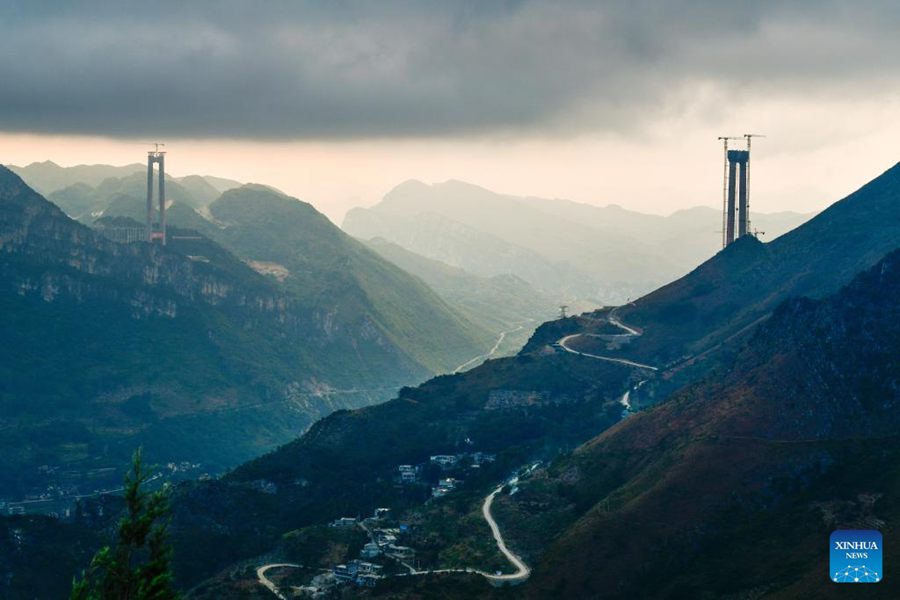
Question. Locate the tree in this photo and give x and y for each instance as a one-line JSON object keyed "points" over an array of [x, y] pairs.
{"points": [[137, 568]]}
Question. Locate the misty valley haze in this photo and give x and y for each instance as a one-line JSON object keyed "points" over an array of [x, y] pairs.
{"points": [[605, 255]]}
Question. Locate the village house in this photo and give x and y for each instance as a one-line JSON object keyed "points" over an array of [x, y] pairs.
{"points": [[370, 550], [344, 522], [408, 473]]}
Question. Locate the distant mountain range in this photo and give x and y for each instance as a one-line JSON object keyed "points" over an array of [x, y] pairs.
{"points": [[84, 192], [289, 240], [47, 177], [566, 249]]}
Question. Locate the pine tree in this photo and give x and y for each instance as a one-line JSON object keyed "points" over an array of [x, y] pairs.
{"points": [[137, 567]]}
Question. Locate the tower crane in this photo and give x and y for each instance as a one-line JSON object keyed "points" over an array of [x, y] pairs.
{"points": [[748, 137]]}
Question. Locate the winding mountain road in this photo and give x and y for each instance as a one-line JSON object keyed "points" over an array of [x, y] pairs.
{"points": [[261, 576], [615, 321], [563, 343], [622, 361], [523, 571]]}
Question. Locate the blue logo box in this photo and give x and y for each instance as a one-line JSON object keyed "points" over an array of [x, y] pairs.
{"points": [[856, 556]]}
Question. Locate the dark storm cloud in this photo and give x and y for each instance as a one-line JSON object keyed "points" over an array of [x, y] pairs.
{"points": [[365, 69]]}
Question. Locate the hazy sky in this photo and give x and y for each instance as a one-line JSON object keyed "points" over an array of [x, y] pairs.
{"points": [[336, 102]]}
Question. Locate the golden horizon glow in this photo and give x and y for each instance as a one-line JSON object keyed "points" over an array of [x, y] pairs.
{"points": [[809, 160]]}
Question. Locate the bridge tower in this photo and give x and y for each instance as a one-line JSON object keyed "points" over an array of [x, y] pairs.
{"points": [[156, 231], [736, 205]]}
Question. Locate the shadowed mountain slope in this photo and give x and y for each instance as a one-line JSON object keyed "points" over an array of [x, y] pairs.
{"points": [[109, 345], [796, 438], [323, 266]]}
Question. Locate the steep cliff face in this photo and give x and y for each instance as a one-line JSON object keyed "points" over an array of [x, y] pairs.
{"points": [[185, 349], [75, 261]]}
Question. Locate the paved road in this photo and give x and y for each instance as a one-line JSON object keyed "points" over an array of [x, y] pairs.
{"points": [[522, 570], [493, 350], [625, 400], [563, 343], [261, 576]]}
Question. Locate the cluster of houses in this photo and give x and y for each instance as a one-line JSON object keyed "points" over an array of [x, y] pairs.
{"points": [[383, 542], [448, 461], [445, 461], [380, 514], [480, 458], [370, 550], [409, 474], [358, 572]]}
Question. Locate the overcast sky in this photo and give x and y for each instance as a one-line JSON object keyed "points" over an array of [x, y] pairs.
{"points": [[336, 102]]}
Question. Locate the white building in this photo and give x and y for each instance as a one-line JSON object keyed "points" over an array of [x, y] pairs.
{"points": [[445, 461], [344, 522], [370, 550]]}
